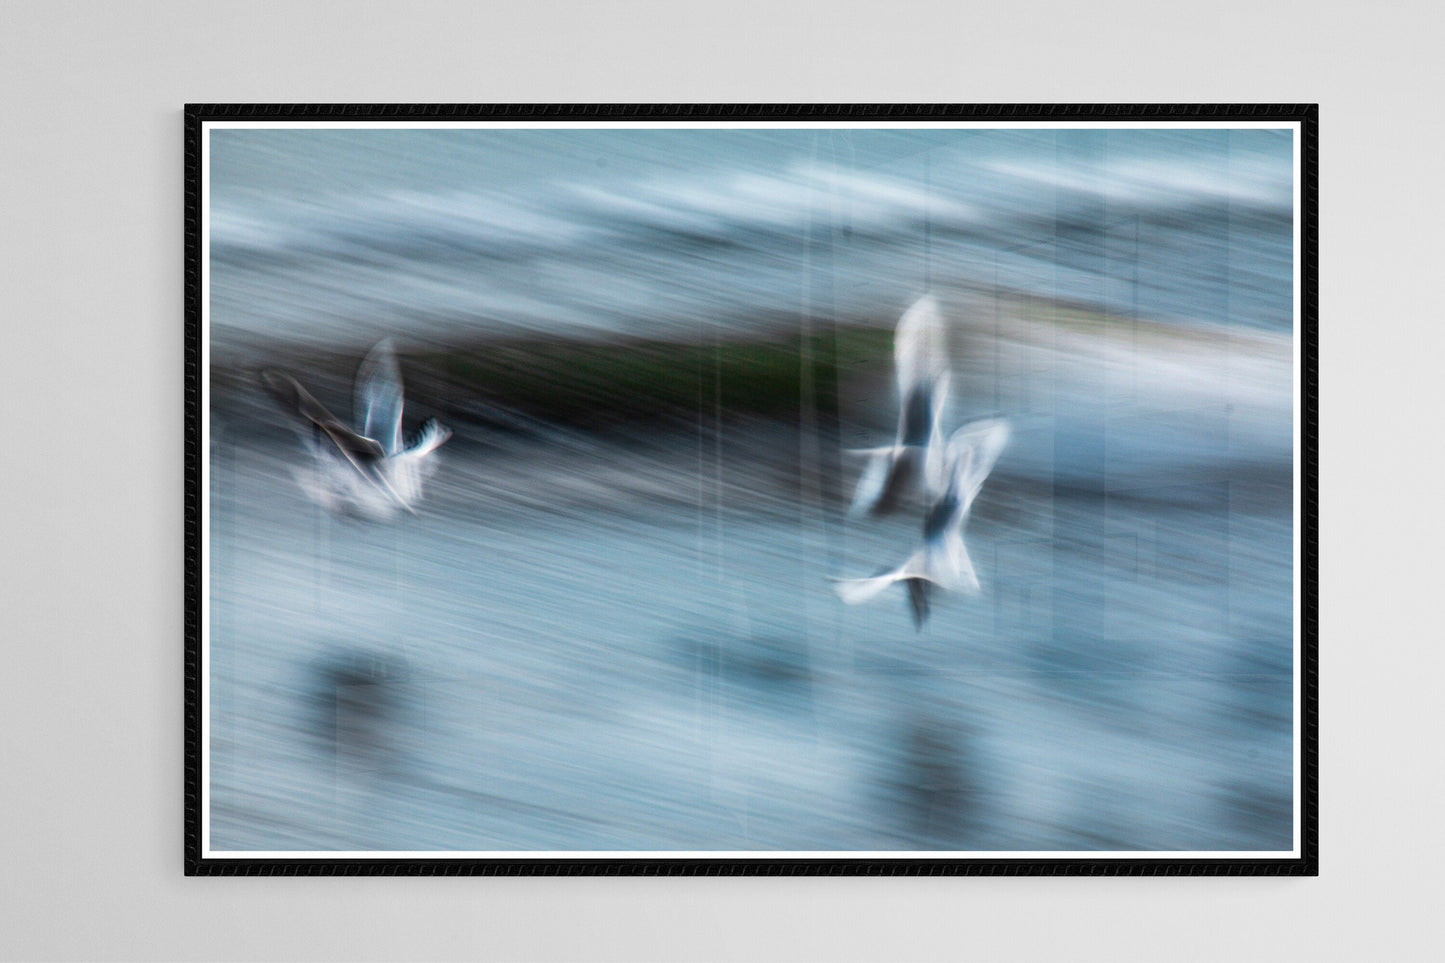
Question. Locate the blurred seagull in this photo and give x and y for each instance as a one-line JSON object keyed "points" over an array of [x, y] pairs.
{"points": [[942, 560], [369, 468], [914, 461]]}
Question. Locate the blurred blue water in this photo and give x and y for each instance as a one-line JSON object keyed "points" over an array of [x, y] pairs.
{"points": [[536, 663], [337, 237]]}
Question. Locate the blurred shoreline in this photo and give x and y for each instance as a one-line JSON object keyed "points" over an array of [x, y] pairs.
{"points": [[1203, 403]]}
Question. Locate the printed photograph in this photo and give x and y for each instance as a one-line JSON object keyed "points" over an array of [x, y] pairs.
{"points": [[744, 490]]}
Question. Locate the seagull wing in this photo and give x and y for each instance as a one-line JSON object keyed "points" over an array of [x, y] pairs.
{"points": [[948, 565], [856, 590], [873, 480], [935, 461], [378, 400], [433, 435], [972, 452], [920, 347], [296, 399]]}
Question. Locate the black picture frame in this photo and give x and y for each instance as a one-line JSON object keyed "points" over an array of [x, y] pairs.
{"points": [[1302, 861]]}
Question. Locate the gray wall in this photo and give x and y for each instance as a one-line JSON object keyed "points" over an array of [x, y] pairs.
{"points": [[90, 574]]}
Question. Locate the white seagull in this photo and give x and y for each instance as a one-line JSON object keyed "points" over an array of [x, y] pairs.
{"points": [[942, 560], [368, 469], [914, 461]]}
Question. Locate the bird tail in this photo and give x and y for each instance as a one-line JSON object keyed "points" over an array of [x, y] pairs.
{"points": [[918, 592]]}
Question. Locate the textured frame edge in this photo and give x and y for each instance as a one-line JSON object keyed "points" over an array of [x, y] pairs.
{"points": [[1305, 864]]}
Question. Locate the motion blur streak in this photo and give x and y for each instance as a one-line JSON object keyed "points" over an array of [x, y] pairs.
{"points": [[609, 625]]}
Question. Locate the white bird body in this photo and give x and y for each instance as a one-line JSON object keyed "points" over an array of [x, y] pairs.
{"points": [[914, 461], [368, 470], [942, 560]]}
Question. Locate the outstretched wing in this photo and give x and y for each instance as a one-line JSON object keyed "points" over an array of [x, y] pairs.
{"points": [[946, 565], [872, 481], [378, 400], [856, 590], [432, 436], [920, 347], [972, 452], [935, 461], [296, 399]]}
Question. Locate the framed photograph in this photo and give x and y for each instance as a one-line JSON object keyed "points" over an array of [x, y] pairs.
{"points": [[751, 489]]}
